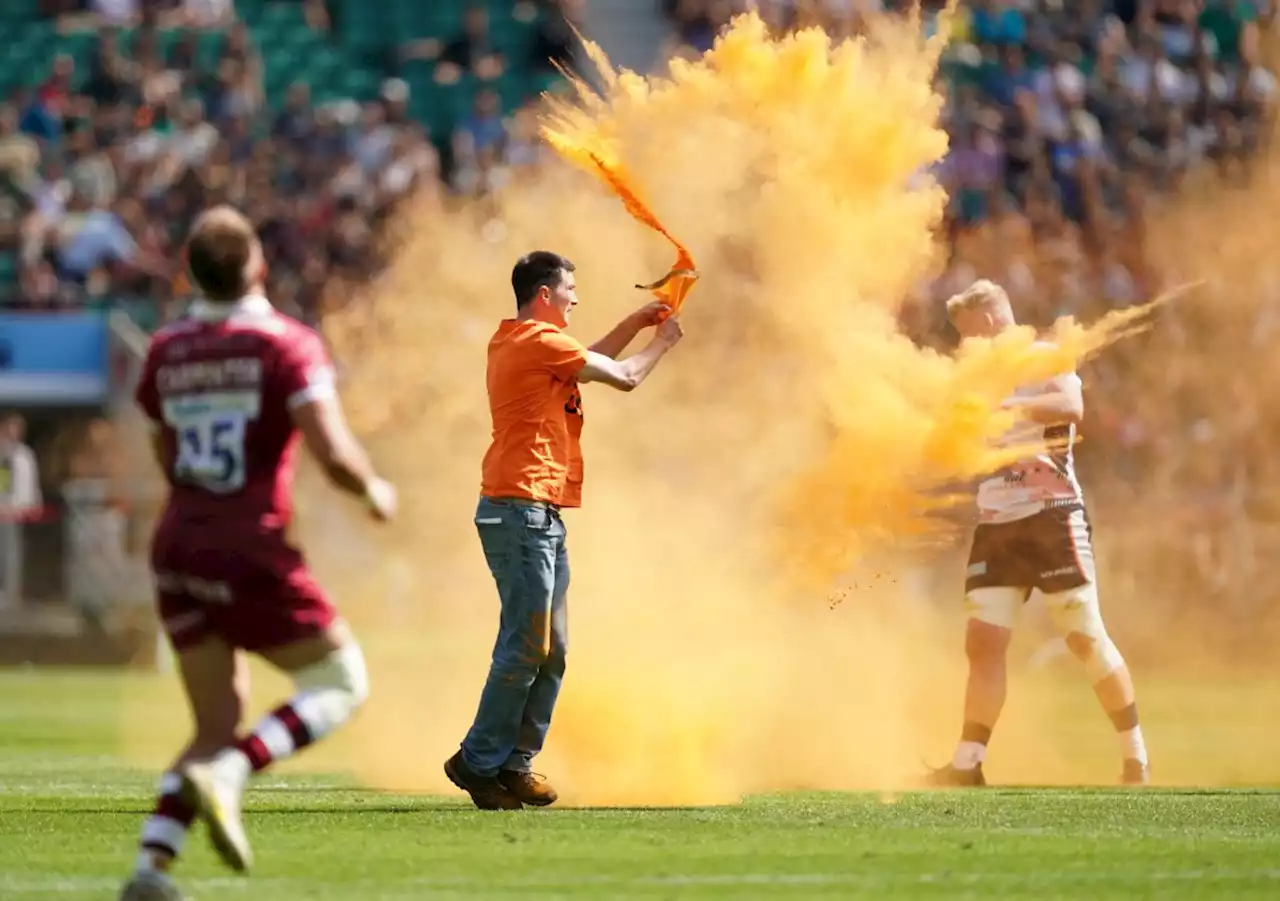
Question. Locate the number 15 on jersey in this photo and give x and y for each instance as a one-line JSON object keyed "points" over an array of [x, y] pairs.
{"points": [[211, 431]]}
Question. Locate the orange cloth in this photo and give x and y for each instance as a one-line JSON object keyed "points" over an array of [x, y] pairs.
{"points": [[537, 414], [573, 133]]}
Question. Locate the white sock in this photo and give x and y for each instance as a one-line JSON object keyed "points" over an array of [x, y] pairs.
{"points": [[968, 755], [146, 862], [1132, 747], [165, 832]]}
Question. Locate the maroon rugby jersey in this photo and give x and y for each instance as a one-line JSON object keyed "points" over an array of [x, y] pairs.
{"points": [[221, 385]]}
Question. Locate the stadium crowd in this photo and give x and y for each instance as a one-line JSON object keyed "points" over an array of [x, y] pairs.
{"points": [[101, 171]]}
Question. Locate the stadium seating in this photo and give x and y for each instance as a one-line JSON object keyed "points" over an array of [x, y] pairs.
{"points": [[351, 61]]}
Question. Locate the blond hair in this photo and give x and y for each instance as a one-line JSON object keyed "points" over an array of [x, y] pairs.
{"points": [[983, 294]]}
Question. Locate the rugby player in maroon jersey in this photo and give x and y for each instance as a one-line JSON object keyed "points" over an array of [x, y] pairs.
{"points": [[232, 390]]}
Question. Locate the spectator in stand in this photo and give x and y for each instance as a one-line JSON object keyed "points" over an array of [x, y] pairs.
{"points": [[116, 12], [208, 13], [523, 151], [20, 499], [19, 154], [471, 52], [555, 43], [296, 121]]}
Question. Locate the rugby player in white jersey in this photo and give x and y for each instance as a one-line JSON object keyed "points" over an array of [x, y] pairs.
{"points": [[1033, 534]]}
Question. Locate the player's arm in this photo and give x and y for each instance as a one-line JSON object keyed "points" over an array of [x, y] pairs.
{"points": [[147, 399], [620, 337], [628, 374], [159, 451], [328, 438], [317, 412], [1062, 404]]}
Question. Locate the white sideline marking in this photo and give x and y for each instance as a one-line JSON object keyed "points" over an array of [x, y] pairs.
{"points": [[82, 884]]}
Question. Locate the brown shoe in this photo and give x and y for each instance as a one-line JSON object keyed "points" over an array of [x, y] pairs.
{"points": [[487, 792], [950, 777], [530, 788]]}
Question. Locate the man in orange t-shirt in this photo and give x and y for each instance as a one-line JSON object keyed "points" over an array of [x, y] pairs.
{"points": [[532, 470]]}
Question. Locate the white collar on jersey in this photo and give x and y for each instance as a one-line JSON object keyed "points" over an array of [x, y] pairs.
{"points": [[208, 311]]}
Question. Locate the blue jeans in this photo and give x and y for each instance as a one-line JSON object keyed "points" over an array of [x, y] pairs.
{"points": [[524, 545]]}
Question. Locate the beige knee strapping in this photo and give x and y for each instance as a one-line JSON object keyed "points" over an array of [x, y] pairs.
{"points": [[1076, 612], [995, 606], [332, 690]]}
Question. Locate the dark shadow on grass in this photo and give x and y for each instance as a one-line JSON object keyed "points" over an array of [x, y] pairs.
{"points": [[251, 812], [448, 802], [361, 809]]}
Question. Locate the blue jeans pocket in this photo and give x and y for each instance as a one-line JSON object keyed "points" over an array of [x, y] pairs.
{"points": [[509, 529], [494, 527], [534, 518]]}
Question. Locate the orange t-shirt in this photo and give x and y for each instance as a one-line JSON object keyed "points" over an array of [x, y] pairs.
{"points": [[537, 414]]}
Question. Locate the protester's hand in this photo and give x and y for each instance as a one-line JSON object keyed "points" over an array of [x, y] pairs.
{"points": [[670, 331], [652, 314]]}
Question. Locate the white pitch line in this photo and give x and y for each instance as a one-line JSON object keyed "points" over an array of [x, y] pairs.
{"points": [[82, 884]]}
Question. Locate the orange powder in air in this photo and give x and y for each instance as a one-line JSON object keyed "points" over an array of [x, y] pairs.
{"points": [[574, 134], [795, 440]]}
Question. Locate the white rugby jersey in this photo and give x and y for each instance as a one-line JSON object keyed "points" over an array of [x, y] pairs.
{"points": [[1036, 483]]}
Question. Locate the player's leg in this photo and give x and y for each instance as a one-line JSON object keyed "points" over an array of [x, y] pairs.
{"points": [[1070, 589], [517, 773], [993, 597], [521, 544], [992, 611], [331, 683], [1078, 619], [216, 683]]}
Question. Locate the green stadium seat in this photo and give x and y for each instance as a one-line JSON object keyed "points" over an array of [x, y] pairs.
{"points": [[446, 18], [142, 311], [320, 66], [362, 28], [19, 11], [169, 39], [514, 89], [282, 14], [250, 10], [80, 46], [208, 48], [8, 270], [407, 22], [359, 84]]}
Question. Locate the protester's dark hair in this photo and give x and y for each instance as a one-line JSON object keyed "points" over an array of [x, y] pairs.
{"points": [[219, 250], [540, 269]]}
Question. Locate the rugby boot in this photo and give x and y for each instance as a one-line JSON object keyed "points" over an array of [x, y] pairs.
{"points": [[950, 777], [1136, 772], [487, 792], [151, 885], [217, 802], [530, 788]]}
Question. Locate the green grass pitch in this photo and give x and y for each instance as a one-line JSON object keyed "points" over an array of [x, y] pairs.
{"points": [[70, 810]]}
